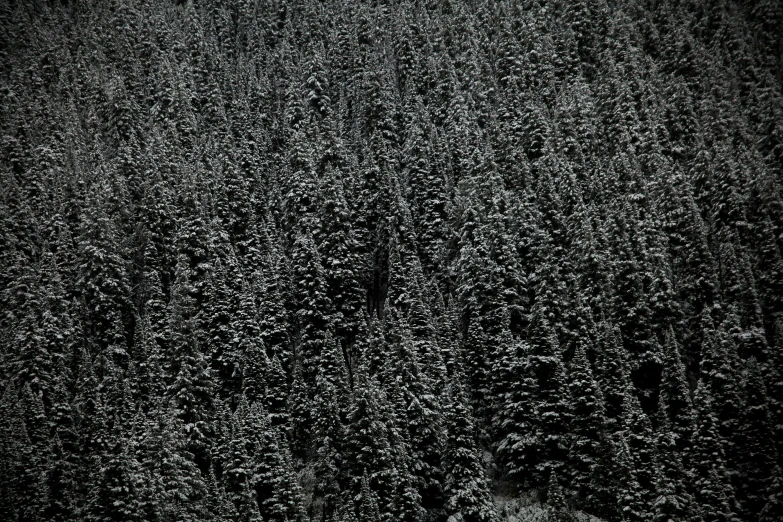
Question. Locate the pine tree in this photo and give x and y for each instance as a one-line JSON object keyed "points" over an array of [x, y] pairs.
{"points": [[614, 373], [299, 408], [178, 490], [191, 385], [37, 428], [329, 411], [103, 280], [426, 185], [276, 393], [368, 502], [328, 437], [587, 429], [245, 343], [517, 434], [274, 301], [720, 372], [557, 510], [774, 508], [756, 455], [118, 493], [238, 475], [466, 487], [200, 202], [713, 493], [40, 336], [271, 478], [338, 248], [367, 445], [639, 437], [675, 396], [18, 483], [257, 370], [550, 414], [631, 496], [314, 311], [59, 483], [421, 414], [672, 501], [217, 332], [148, 363], [693, 265]]}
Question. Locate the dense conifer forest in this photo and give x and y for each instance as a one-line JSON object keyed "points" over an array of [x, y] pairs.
{"points": [[380, 261]]}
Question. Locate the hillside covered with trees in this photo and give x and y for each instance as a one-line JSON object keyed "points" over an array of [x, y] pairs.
{"points": [[380, 261]]}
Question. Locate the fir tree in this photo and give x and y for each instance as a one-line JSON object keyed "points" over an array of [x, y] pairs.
{"points": [[675, 396], [466, 487], [713, 492], [271, 478], [367, 445], [314, 306], [119, 491], [587, 430], [238, 475], [757, 456]]}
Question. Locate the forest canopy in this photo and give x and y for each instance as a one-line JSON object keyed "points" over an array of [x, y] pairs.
{"points": [[404, 260]]}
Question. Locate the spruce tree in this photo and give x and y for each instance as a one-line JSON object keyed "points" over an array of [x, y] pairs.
{"points": [[314, 310], [338, 249], [367, 445], [177, 487], [190, 381], [713, 492], [466, 487], [774, 507], [276, 393], [550, 415], [587, 431], [672, 501], [119, 490], [238, 474], [271, 476], [639, 437], [675, 401], [757, 455]]}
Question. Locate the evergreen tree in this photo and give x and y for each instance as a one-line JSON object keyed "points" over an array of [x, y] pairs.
{"points": [[247, 248], [276, 393], [271, 477], [515, 425], [59, 483], [550, 416], [557, 510], [587, 431], [672, 502], [174, 483], [466, 488], [675, 397], [314, 312], [774, 507], [368, 502], [338, 249], [639, 438], [103, 281], [119, 491], [713, 493], [191, 385], [756, 455], [367, 445], [238, 475], [631, 496]]}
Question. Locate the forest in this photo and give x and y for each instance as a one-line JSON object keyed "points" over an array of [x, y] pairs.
{"points": [[391, 260]]}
